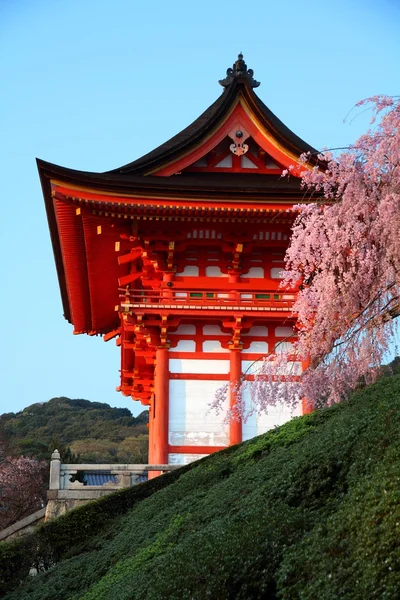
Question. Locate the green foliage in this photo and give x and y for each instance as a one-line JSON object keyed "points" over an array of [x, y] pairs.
{"points": [[79, 429], [308, 511], [78, 531], [131, 449]]}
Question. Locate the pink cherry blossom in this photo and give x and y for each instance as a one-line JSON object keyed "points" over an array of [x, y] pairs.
{"points": [[22, 488], [345, 255], [344, 260]]}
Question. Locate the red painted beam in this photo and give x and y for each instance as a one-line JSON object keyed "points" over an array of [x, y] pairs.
{"points": [[111, 335], [129, 278], [127, 258]]}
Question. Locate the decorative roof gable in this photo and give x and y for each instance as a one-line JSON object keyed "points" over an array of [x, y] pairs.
{"points": [[236, 154], [238, 115]]}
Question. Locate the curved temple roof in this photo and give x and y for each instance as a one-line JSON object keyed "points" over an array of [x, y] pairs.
{"points": [[238, 84]]}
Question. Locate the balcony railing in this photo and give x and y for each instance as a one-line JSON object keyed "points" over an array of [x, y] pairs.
{"points": [[94, 476], [207, 300]]}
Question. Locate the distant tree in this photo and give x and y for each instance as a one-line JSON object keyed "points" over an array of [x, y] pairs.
{"points": [[134, 449], [33, 448], [66, 454], [40, 428], [23, 484]]}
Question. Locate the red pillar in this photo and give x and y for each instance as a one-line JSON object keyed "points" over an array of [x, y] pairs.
{"points": [[151, 432], [161, 408], [235, 426]]}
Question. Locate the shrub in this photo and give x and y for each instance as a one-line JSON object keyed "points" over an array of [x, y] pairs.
{"points": [[309, 510]]}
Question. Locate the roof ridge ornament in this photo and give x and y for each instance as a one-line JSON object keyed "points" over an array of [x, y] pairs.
{"points": [[239, 70]]}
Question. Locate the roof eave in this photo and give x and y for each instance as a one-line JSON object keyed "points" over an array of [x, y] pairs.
{"points": [[55, 239], [182, 186]]}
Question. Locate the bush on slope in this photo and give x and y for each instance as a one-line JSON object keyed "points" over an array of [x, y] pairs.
{"points": [[309, 510]]}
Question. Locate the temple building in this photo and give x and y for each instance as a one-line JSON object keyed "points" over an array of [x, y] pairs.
{"points": [[178, 257]]}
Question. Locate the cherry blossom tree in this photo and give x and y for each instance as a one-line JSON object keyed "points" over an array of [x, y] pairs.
{"points": [[22, 488], [344, 261], [344, 256]]}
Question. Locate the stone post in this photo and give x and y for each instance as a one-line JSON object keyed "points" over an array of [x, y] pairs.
{"points": [[125, 479], [55, 467]]}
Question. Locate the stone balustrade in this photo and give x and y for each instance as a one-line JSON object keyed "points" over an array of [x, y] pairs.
{"points": [[74, 484]]}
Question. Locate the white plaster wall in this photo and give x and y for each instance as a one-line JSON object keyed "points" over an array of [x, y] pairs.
{"points": [[275, 416], [250, 367], [214, 271], [276, 272], [254, 272], [246, 163], [185, 330], [257, 347], [283, 347], [213, 346], [184, 346], [191, 423], [225, 162], [190, 270], [258, 330], [284, 331], [190, 365], [213, 330], [184, 459]]}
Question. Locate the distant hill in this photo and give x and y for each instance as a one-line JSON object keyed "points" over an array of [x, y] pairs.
{"points": [[307, 511], [92, 431]]}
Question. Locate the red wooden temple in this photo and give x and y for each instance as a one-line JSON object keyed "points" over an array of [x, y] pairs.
{"points": [[177, 256]]}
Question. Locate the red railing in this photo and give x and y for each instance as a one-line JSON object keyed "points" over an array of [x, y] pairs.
{"points": [[207, 299]]}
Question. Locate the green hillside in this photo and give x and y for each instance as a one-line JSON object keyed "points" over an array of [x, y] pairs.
{"points": [[309, 511], [93, 430]]}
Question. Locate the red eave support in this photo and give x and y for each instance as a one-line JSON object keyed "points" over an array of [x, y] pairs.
{"points": [[114, 205]]}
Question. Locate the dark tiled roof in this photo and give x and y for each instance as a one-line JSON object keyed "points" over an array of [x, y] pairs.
{"points": [[208, 120], [187, 183], [177, 143], [99, 477]]}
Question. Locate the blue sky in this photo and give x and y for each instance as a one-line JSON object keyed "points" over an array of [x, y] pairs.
{"points": [[94, 84]]}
